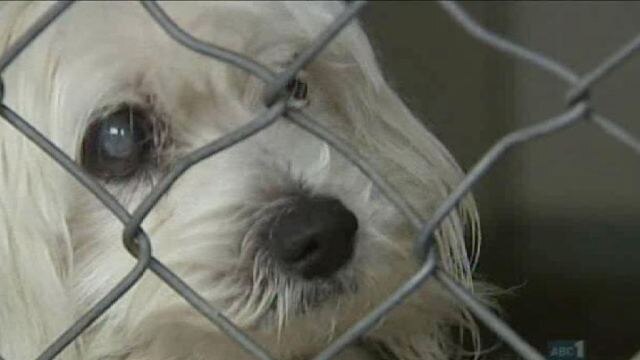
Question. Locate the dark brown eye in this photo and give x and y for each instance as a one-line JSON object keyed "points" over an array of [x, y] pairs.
{"points": [[117, 145], [298, 89]]}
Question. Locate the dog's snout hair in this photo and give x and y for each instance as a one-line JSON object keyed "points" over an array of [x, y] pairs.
{"points": [[290, 240]]}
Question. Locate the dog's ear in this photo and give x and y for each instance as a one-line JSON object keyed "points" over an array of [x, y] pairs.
{"points": [[35, 250], [395, 140], [425, 172], [390, 133]]}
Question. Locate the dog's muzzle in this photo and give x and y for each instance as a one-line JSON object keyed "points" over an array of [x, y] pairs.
{"points": [[313, 238]]}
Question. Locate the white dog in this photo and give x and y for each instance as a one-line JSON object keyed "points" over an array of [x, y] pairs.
{"points": [[280, 232]]}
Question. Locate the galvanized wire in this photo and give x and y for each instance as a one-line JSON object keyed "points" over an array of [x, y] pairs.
{"points": [[138, 243], [15, 49]]}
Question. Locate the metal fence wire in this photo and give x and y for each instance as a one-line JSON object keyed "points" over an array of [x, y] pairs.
{"points": [[138, 243]]}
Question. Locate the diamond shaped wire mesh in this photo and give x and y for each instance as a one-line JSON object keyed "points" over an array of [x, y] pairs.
{"points": [[138, 243]]}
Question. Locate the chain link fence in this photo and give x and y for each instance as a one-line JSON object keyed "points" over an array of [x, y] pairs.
{"points": [[138, 243]]}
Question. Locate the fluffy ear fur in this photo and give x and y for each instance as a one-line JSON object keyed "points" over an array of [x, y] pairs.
{"points": [[430, 166], [35, 252]]}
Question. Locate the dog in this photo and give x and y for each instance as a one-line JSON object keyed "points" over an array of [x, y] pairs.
{"points": [[280, 232]]}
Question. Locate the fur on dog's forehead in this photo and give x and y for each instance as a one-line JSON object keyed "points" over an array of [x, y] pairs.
{"points": [[106, 53], [241, 26], [123, 34]]}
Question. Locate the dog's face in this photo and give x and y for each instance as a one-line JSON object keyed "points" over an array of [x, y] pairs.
{"points": [[280, 232]]}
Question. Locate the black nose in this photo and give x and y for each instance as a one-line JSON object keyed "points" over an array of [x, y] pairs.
{"points": [[314, 238]]}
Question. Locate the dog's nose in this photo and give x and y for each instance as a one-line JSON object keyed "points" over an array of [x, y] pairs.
{"points": [[314, 238]]}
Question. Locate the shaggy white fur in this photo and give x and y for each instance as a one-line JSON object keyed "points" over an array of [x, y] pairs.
{"points": [[61, 251]]}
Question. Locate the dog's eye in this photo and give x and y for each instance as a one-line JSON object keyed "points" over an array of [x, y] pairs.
{"points": [[297, 88], [117, 145]]}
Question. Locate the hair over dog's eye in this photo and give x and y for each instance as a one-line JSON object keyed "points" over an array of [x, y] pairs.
{"points": [[117, 145], [297, 88]]}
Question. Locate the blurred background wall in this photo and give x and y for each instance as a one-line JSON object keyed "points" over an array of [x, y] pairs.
{"points": [[560, 215]]}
